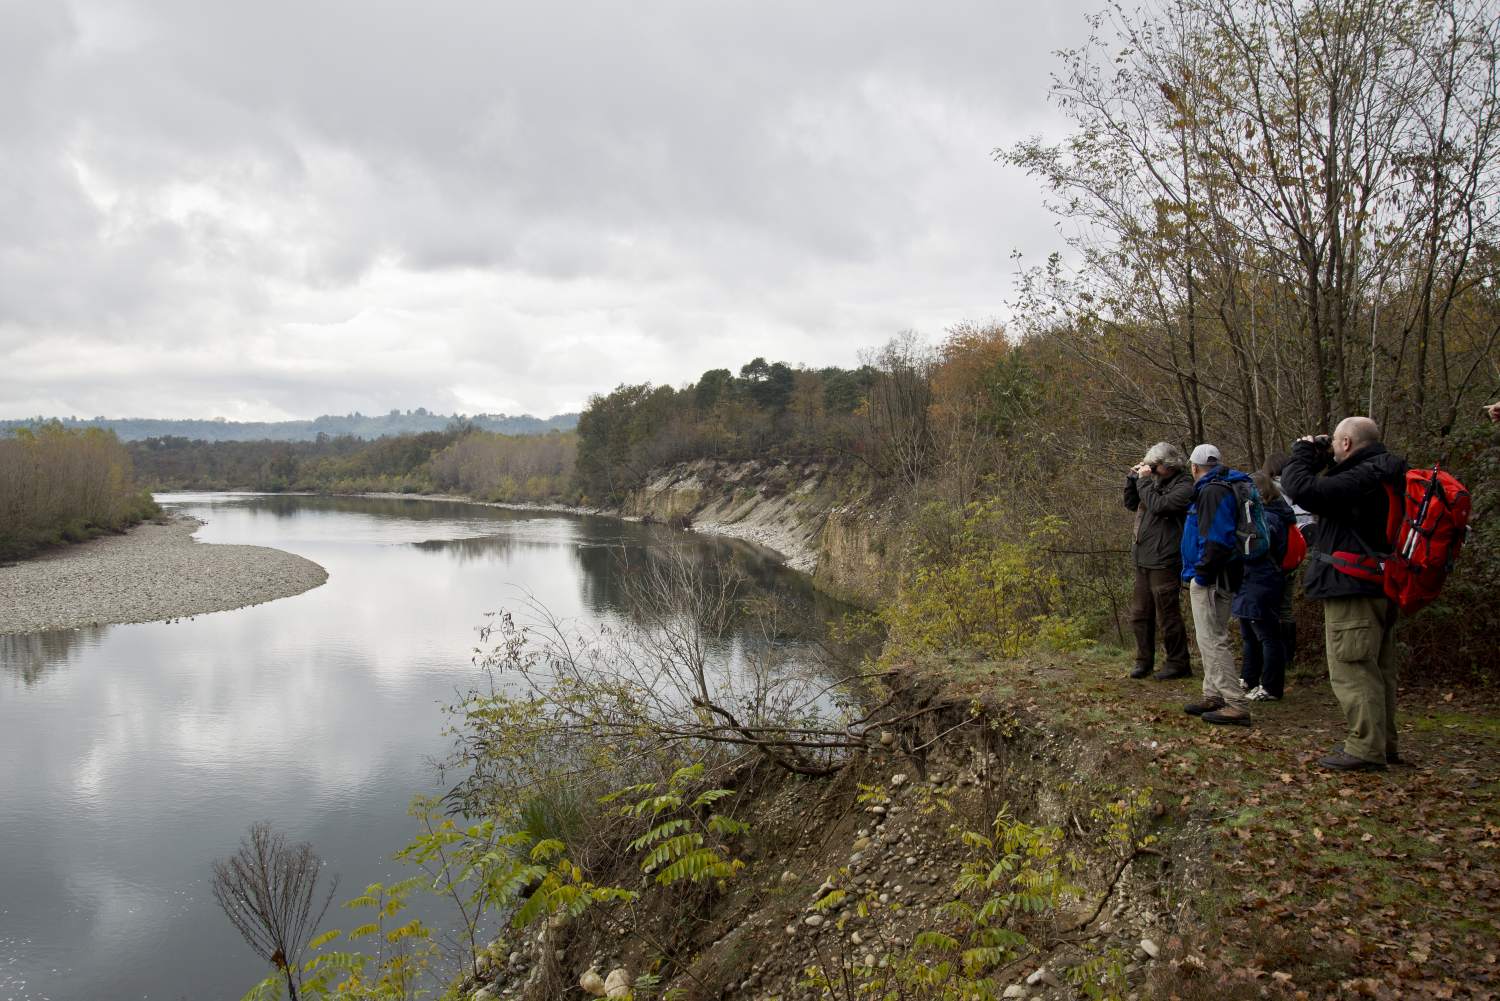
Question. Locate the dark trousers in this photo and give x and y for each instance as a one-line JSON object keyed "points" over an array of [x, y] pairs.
{"points": [[1157, 602], [1265, 655], [1288, 621]]}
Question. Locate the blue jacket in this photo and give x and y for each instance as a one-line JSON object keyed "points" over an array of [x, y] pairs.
{"points": [[1208, 544], [1264, 583]]}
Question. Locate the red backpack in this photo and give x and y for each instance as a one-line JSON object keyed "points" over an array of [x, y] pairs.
{"points": [[1296, 548], [1428, 521]]}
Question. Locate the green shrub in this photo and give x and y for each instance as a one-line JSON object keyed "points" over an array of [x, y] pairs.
{"points": [[976, 583]]}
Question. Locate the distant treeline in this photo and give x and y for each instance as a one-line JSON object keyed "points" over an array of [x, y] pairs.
{"points": [[356, 425], [461, 458], [62, 484], [769, 409]]}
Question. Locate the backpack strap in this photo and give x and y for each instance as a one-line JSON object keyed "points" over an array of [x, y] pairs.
{"points": [[1395, 514], [1366, 565], [1368, 568], [1215, 479]]}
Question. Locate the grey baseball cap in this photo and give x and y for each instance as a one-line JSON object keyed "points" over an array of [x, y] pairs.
{"points": [[1205, 455]]}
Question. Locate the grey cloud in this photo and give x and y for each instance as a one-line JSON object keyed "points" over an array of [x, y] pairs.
{"points": [[660, 185]]}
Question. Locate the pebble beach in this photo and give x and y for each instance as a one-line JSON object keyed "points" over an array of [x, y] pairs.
{"points": [[153, 572]]}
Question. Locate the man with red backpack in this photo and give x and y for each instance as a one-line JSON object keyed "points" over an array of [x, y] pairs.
{"points": [[1353, 507]]}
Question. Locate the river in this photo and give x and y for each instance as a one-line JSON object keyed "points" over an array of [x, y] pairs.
{"points": [[133, 756]]}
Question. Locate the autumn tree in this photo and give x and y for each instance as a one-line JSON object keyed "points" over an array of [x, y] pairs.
{"points": [[896, 410], [62, 484], [1289, 212]]}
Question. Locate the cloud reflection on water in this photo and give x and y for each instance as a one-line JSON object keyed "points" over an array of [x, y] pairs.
{"points": [[134, 755]]}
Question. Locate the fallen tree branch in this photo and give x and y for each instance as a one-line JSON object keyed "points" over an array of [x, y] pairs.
{"points": [[1110, 889]]}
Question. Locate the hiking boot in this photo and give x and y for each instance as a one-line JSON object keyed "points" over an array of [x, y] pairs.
{"points": [[1172, 673], [1207, 704], [1141, 670], [1228, 716], [1342, 761]]}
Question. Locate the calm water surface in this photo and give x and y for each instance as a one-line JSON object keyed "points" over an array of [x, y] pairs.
{"points": [[133, 756]]}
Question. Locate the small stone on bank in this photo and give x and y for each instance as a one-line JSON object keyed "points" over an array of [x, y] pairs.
{"points": [[1041, 975], [617, 984], [592, 983]]}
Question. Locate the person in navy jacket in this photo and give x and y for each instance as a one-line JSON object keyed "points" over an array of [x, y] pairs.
{"points": [[1258, 602]]}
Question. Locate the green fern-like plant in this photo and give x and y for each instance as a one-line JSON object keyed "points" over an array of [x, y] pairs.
{"points": [[1013, 874], [1101, 977], [561, 886], [681, 844], [399, 954]]}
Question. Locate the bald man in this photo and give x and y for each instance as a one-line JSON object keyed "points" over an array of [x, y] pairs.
{"points": [[1341, 479]]}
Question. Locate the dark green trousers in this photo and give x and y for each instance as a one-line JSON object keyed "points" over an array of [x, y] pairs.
{"points": [[1362, 669]]}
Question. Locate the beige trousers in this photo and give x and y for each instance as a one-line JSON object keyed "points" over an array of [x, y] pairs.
{"points": [[1211, 624]]}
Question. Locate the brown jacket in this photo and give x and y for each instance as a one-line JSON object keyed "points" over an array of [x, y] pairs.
{"points": [[1160, 507]]}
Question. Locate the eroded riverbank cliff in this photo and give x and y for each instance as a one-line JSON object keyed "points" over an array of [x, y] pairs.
{"points": [[826, 522]]}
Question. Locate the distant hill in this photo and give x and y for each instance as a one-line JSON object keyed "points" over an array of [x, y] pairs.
{"points": [[358, 425]]}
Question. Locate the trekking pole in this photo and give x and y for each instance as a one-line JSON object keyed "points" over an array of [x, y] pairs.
{"points": [[1415, 527]]}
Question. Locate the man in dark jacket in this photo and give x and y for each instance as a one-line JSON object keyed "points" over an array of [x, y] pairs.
{"points": [[1352, 506], [1159, 491]]}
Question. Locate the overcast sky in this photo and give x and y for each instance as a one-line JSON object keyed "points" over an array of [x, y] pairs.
{"points": [[283, 208]]}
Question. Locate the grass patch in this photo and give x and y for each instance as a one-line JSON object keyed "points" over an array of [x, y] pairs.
{"points": [[1468, 723]]}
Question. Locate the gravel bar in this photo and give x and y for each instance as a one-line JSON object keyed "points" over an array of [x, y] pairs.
{"points": [[153, 572]]}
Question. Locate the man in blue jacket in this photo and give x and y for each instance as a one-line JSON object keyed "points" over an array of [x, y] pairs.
{"points": [[1210, 565]]}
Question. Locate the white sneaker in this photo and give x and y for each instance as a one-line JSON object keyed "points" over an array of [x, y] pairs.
{"points": [[1259, 694], [1243, 686]]}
